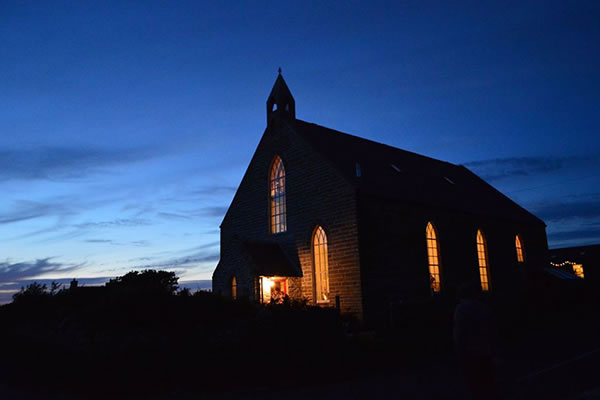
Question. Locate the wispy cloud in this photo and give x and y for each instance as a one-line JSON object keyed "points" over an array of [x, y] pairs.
{"points": [[189, 260], [587, 207], [135, 243], [501, 168], [25, 210], [202, 212], [120, 222], [55, 163], [208, 245], [213, 211], [173, 216], [213, 190], [582, 235], [10, 272], [184, 259], [63, 230], [98, 241], [59, 212]]}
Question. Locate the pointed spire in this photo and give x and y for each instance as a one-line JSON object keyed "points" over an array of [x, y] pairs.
{"points": [[281, 101]]}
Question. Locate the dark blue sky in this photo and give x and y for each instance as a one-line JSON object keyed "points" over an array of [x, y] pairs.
{"points": [[125, 127]]}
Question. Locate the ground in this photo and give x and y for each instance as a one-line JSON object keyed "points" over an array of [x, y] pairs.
{"points": [[545, 366], [205, 346]]}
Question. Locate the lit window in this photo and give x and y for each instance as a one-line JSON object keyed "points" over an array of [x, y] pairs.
{"points": [[277, 196], [484, 273], [519, 249], [320, 265], [433, 258], [233, 288], [578, 270]]}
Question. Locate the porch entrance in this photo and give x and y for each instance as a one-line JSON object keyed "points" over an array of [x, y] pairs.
{"points": [[273, 289]]}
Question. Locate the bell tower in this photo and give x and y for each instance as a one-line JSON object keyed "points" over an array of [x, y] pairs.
{"points": [[280, 101]]}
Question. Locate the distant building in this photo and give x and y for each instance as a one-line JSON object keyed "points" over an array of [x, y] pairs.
{"points": [[335, 218], [583, 262]]}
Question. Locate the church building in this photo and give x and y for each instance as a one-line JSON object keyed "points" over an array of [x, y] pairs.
{"points": [[342, 221]]}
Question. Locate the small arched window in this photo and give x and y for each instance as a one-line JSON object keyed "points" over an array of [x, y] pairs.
{"points": [[277, 197], [433, 258], [484, 271], [233, 288], [519, 249], [321, 265]]}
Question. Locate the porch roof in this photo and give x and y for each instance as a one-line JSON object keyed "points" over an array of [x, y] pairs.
{"points": [[269, 259]]}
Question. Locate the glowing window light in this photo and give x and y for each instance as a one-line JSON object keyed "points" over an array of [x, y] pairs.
{"points": [[266, 285], [578, 270], [277, 196], [519, 248], [433, 258], [273, 289], [482, 256], [321, 265], [233, 288]]}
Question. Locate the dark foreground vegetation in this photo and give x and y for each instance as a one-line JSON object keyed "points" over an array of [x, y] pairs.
{"points": [[139, 335]]}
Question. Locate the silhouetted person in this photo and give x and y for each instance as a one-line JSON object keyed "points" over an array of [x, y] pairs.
{"points": [[277, 296], [474, 340]]}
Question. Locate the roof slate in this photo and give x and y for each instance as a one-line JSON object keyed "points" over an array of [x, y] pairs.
{"points": [[390, 172]]}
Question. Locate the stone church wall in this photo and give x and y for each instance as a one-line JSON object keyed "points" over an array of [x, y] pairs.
{"points": [[315, 195], [394, 254]]}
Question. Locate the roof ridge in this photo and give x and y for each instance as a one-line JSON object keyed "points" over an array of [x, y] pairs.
{"points": [[362, 139]]}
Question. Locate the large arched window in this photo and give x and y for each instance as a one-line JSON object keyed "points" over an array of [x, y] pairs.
{"points": [[519, 249], [484, 270], [321, 265], [277, 196], [233, 288], [433, 257]]}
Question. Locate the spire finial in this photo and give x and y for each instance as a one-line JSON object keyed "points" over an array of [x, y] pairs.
{"points": [[280, 100]]}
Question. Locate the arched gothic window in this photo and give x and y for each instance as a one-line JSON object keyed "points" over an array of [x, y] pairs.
{"points": [[519, 248], [482, 255], [277, 196], [321, 265], [433, 257], [233, 288]]}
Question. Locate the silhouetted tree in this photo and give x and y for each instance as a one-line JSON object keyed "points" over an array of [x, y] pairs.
{"points": [[55, 288], [33, 290], [148, 281], [36, 291]]}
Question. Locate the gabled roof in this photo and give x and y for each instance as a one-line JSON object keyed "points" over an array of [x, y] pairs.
{"points": [[389, 172]]}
